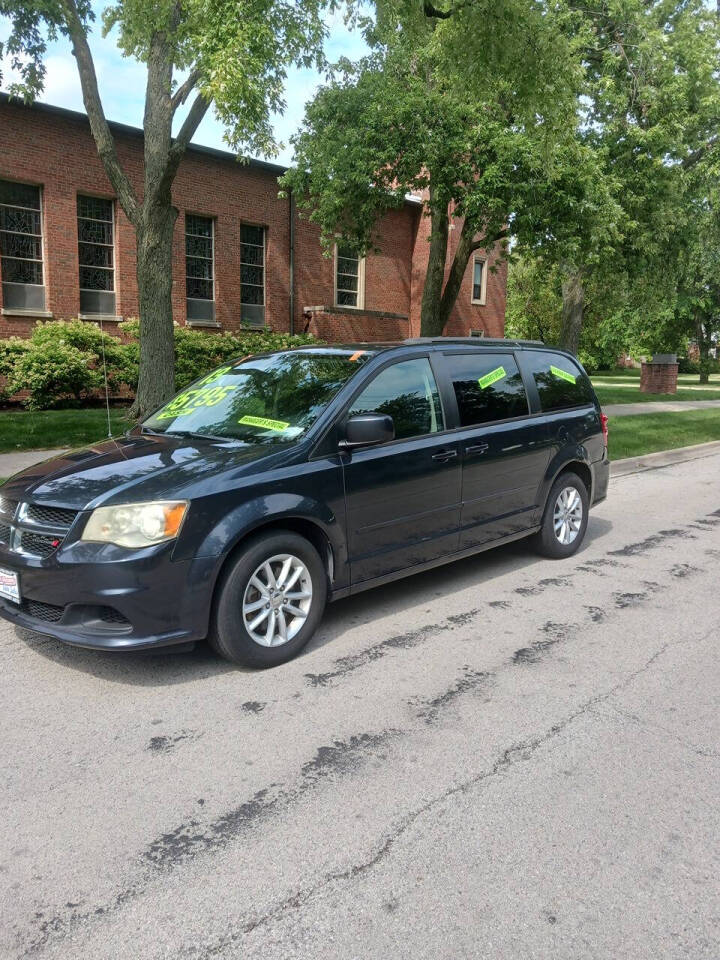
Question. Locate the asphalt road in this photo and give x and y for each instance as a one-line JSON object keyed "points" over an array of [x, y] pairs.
{"points": [[505, 758]]}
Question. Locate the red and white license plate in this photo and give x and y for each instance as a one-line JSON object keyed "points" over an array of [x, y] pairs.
{"points": [[9, 586]]}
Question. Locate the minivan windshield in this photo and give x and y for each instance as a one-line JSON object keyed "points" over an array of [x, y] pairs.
{"points": [[262, 399]]}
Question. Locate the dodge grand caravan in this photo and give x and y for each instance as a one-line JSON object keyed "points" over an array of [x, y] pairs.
{"points": [[280, 481]]}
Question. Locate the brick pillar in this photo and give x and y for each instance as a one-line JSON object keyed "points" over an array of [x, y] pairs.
{"points": [[658, 377]]}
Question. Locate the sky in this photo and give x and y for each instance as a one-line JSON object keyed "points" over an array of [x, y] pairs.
{"points": [[122, 83]]}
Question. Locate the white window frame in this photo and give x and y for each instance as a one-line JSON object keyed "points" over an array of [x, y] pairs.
{"points": [[483, 286], [263, 247], [82, 315], [212, 321], [360, 305], [31, 311]]}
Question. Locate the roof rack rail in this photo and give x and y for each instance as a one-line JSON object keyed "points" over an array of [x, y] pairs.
{"points": [[478, 341]]}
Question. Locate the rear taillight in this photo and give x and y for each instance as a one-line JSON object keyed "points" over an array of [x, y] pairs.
{"points": [[604, 424]]}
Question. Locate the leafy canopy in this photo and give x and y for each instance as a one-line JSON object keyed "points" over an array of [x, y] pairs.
{"points": [[478, 111], [234, 52]]}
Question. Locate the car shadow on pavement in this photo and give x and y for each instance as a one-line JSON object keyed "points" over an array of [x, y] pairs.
{"points": [[434, 585], [152, 668], [166, 667]]}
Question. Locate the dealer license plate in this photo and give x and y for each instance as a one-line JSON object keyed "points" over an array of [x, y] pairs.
{"points": [[9, 586]]}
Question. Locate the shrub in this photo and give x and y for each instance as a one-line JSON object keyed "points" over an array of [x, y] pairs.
{"points": [[686, 365], [88, 338], [10, 351], [63, 360], [197, 352], [52, 372]]}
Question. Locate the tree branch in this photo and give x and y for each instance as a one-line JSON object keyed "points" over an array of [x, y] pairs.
{"points": [[185, 134], [185, 89], [697, 155], [431, 11], [93, 106], [489, 241]]}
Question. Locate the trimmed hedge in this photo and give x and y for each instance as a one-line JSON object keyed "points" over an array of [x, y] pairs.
{"points": [[61, 364]]}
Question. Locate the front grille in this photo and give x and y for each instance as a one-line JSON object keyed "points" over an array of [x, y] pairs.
{"points": [[5, 532], [38, 544], [50, 516], [8, 507], [48, 612]]}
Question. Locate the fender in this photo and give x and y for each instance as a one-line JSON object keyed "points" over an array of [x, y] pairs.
{"points": [[248, 516], [565, 457]]}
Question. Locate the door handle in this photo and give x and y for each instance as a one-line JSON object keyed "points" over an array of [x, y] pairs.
{"points": [[443, 455], [477, 448]]}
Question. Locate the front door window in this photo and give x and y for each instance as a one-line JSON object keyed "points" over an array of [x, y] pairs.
{"points": [[408, 393]]}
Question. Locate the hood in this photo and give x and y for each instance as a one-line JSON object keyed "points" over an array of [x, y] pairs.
{"points": [[141, 467]]}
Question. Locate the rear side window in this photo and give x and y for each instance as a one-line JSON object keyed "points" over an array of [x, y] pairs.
{"points": [[487, 387], [408, 393], [560, 383]]}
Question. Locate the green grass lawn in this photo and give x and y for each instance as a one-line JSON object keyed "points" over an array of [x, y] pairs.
{"points": [[49, 429], [650, 432], [629, 436], [613, 393], [623, 386]]}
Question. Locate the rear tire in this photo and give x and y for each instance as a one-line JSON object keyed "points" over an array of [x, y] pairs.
{"points": [[565, 518], [270, 601]]}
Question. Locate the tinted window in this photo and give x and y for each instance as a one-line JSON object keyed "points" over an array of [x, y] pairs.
{"points": [[408, 393], [559, 381], [487, 387], [261, 399]]}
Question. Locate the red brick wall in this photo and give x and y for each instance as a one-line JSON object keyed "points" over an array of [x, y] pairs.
{"points": [[55, 150], [658, 377], [348, 325], [465, 316]]}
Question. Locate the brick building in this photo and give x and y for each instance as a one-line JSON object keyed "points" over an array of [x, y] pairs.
{"points": [[241, 254]]}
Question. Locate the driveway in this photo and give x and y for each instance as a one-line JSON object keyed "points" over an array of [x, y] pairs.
{"points": [[504, 758]]}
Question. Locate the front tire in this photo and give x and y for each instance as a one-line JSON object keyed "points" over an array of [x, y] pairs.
{"points": [[565, 518], [270, 601]]}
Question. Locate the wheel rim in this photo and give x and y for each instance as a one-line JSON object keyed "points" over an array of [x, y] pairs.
{"points": [[567, 515], [277, 600]]}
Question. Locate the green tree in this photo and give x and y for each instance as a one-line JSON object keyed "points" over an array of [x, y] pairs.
{"points": [[474, 107], [649, 110], [230, 53]]}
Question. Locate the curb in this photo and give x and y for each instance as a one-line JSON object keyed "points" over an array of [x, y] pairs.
{"points": [[663, 458]]}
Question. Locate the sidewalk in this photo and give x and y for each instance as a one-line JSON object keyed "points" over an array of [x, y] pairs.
{"points": [[11, 463], [661, 406]]}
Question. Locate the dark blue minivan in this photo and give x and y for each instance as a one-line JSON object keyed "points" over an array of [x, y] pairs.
{"points": [[280, 481]]}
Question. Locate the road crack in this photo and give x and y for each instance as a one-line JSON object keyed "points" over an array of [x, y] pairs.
{"points": [[524, 750]]}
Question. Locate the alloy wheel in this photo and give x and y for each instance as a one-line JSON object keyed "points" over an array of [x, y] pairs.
{"points": [[277, 600], [567, 515]]}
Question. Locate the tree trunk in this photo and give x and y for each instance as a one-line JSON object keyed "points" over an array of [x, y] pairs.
{"points": [[703, 343], [431, 320], [156, 382], [573, 301], [465, 247]]}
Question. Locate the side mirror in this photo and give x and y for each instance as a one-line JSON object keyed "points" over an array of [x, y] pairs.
{"points": [[367, 430]]}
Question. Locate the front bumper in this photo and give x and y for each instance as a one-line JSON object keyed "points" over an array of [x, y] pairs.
{"points": [[104, 598]]}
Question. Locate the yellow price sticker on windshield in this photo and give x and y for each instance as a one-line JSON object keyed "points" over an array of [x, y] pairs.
{"points": [[490, 378], [190, 400], [557, 372], [264, 422], [215, 375]]}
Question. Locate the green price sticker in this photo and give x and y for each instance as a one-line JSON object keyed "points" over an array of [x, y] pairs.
{"points": [[191, 400], [557, 372], [264, 422], [215, 375], [490, 378]]}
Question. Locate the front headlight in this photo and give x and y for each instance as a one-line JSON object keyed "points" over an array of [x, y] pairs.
{"points": [[136, 524]]}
